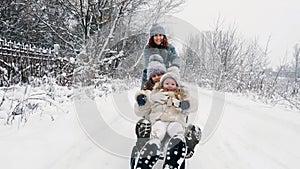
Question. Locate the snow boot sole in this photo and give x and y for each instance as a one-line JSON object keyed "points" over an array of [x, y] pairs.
{"points": [[176, 152], [148, 155]]}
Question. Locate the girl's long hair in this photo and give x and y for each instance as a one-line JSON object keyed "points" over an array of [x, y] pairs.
{"points": [[152, 44]]}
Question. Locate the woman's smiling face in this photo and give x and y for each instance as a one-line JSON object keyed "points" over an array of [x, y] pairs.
{"points": [[158, 39]]}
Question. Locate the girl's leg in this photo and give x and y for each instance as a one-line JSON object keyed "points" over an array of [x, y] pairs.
{"points": [[175, 128], [159, 130], [176, 148]]}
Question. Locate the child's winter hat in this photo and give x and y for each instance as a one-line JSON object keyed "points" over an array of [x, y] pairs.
{"points": [[156, 66], [157, 29], [173, 72]]}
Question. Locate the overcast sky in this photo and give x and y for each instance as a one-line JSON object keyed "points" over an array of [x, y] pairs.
{"points": [[279, 19]]}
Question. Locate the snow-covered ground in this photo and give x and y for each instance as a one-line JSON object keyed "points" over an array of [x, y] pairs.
{"points": [[99, 134]]}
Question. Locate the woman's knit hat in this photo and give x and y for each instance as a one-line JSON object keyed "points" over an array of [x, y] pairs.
{"points": [[157, 29], [173, 72], [156, 66]]}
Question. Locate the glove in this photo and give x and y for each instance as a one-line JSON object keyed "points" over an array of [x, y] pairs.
{"points": [[184, 105], [158, 97], [141, 99], [176, 102]]}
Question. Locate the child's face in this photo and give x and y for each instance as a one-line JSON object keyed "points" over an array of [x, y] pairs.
{"points": [[156, 78], [169, 84]]}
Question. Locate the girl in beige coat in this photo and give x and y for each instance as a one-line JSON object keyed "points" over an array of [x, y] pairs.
{"points": [[167, 106]]}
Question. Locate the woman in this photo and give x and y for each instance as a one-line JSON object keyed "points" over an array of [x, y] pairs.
{"points": [[158, 44]]}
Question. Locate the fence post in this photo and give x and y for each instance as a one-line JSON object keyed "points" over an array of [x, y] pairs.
{"points": [[56, 49]]}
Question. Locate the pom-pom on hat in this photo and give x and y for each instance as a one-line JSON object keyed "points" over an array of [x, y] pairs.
{"points": [[173, 72], [155, 66], [157, 29]]}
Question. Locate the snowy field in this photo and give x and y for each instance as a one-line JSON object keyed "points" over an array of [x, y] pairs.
{"points": [[99, 134]]}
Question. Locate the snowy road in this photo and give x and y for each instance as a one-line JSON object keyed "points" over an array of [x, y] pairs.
{"points": [[250, 135]]}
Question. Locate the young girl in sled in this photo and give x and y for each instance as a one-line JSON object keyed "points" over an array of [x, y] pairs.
{"points": [[167, 107]]}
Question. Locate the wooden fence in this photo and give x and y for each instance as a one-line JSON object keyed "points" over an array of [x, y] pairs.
{"points": [[21, 63]]}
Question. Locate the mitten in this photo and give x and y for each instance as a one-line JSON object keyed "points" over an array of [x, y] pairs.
{"points": [[158, 97], [176, 102], [184, 105], [141, 99]]}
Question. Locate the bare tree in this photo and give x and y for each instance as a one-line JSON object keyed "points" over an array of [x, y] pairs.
{"points": [[93, 27], [123, 33], [296, 69], [224, 60], [297, 62]]}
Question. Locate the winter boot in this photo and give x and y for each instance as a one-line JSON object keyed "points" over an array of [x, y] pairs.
{"points": [[176, 152], [143, 128], [142, 131], [148, 155], [192, 137]]}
